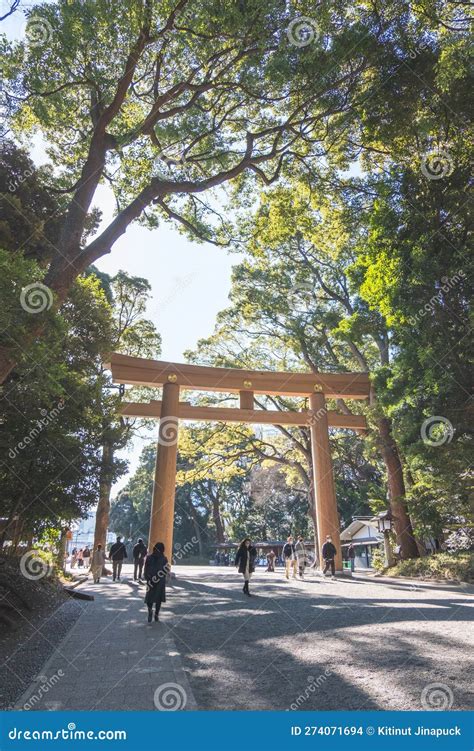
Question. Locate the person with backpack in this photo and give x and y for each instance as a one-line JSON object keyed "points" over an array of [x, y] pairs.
{"points": [[117, 553], [329, 553], [289, 557], [271, 561], [140, 551]]}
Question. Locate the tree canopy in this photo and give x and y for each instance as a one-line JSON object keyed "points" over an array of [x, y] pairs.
{"points": [[329, 146]]}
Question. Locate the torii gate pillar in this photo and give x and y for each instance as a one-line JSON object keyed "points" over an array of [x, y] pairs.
{"points": [[162, 507], [325, 493]]}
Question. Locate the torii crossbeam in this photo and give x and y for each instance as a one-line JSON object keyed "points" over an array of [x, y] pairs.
{"points": [[174, 377]]}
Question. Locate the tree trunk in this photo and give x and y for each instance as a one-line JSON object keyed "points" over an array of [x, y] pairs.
{"points": [[216, 515], [396, 490], [61, 557], [7, 363], [105, 486], [197, 530], [17, 534], [312, 516]]}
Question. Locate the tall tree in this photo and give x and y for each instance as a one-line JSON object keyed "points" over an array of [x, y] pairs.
{"points": [[135, 335], [167, 100], [50, 409], [295, 288]]}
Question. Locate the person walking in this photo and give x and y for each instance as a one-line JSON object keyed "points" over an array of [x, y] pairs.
{"points": [[245, 560], [139, 554], [73, 557], [300, 552], [80, 558], [329, 553], [351, 554], [117, 553], [271, 561], [289, 556], [156, 570], [86, 556], [97, 563]]}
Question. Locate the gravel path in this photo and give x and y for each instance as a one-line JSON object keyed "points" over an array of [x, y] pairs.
{"points": [[21, 663], [321, 644]]}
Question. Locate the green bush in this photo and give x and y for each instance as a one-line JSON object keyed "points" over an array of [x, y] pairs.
{"points": [[457, 566], [378, 560]]}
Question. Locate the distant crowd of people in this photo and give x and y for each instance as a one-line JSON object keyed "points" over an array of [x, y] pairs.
{"points": [[222, 559], [153, 568], [80, 558], [294, 557]]}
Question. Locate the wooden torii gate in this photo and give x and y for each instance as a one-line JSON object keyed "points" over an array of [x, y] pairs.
{"points": [[174, 377]]}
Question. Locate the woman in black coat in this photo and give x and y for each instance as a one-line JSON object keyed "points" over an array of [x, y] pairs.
{"points": [[245, 560], [156, 570]]}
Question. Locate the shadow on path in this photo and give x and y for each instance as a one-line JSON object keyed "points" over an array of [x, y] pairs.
{"points": [[317, 644]]}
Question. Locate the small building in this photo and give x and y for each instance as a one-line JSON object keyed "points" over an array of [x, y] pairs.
{"points": [[362, 532]]}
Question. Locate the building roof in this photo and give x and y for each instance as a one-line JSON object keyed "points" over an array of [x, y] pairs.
{"points": [[364, 541], [349, 533]]}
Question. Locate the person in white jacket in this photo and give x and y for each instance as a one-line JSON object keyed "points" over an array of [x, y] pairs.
{"points": [[97, 565]]}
